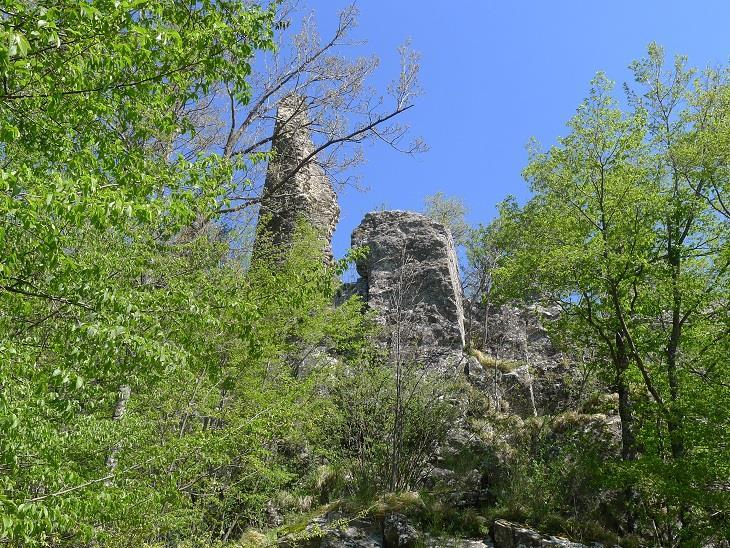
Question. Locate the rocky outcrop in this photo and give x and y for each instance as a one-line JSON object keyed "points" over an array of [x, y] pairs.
{"points": [[512, 535], [334, 529], [296, 188], [394, 530], [516, 362], [440, 542], [410, 277], [398, 533]]}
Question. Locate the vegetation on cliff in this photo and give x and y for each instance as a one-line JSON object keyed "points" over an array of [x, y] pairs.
{"points": [[627, 233], [158, 387]]}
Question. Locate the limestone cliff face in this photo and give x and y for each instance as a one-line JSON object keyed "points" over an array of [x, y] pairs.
{"points": [[410, 277], [296, 187], [532, 375]]}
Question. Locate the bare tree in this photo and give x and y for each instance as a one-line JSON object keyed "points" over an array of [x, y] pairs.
{"points": [[450, 211], [400, 320], [409, 451], [483, 256], [526, 326], [343, 110]]}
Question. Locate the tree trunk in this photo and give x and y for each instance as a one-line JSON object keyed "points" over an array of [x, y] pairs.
{"points": [[120, 410], [626, 414], [674, 420], [529, 375]]}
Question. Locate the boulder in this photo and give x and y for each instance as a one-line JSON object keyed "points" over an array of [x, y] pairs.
{"points": [[336, 530], [440, 542], [512, 535], [456, 488], [398, 533]]}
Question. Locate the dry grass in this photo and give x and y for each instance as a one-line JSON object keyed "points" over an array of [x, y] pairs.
{"points": [[253, 538], [505, 366], [402, 503], [601, 403]]}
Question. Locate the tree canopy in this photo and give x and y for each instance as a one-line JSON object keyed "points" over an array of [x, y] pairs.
{"points": [[626, 233]]}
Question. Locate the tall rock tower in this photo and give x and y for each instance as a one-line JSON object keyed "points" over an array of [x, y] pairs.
{"points": [[410, 278], [296, 189]]}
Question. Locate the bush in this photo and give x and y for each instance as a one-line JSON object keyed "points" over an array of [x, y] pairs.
{"points": [[383, 455]]}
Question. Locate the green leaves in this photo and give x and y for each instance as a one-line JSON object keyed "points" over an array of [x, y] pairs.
{"points": [[626, 233], [18, 45], [93, 281]]}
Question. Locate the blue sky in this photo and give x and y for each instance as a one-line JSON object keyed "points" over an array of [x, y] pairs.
{"points": [[496, 74]]}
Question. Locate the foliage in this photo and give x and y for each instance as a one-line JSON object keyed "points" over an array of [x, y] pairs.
{"points": [[555, 478], [202, 444], [626, 234], [112, 277], [145, 372], [367, 404], [449, 211]]}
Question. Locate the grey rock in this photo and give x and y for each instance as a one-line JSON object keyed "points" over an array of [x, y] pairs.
{"points": [[440, 542], [335, 530], [528, 365], [715, 543], [597, 431], [457, 488], [398, 533], [352, 536], [291, 195], [410, 277], [351, 289], [511, 535], [273, 517]]}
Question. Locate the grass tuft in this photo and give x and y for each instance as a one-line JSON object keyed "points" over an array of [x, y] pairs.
{"points": [[505, 366]]}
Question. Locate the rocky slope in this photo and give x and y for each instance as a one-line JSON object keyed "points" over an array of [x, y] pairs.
{"points": [[521, 368], [520, 384]]}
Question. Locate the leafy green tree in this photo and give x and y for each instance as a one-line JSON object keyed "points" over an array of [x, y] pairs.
{"points": [[574, 243], [140, 366], [687, 291], [389, 425], [700, 151], [449, 211], [484, 256], [144, 371], [632, 246]]}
